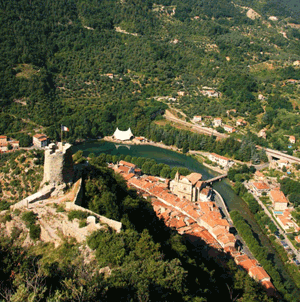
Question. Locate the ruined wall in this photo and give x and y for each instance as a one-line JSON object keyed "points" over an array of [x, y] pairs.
{"points": [[116, 225], [58, 166]]}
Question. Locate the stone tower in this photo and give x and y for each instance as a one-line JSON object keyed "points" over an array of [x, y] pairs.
{"points": [[58, 166]]}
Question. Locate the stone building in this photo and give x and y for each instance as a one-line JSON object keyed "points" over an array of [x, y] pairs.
{"points": [[279, 200], [40, 140], [187, 187], [58, 166]]}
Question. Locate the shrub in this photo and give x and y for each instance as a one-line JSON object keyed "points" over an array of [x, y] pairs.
{"points": [[82, 223], [34, 231], [17, 212], [4, 205], [29, 218], [77, 214], [60, 209], [7, 217]]}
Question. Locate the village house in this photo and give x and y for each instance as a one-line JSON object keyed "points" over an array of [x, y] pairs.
{"points": [[260, 187], [282, 163], [197, 118], [140, 139], [217, 122], [261, 97], [5, 143], [223, 161], [210, 93], [259, 175], [230, 110], [181, 93], [292, 81], [292, 139], [296, 63], [279, 201], [40, 140], [286, 221], [241, 122], [229, 129], [262, 133], [205, 194], [187, 187]]}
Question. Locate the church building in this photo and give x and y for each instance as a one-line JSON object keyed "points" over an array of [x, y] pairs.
{"points": [[187, 187]]}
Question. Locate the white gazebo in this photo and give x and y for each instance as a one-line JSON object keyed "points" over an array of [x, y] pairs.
{"points": [[123, 135]]}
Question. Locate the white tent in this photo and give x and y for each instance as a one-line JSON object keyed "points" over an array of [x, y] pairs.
{"points": [[123, 135]]}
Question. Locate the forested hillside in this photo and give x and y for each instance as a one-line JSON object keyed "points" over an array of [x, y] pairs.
{"points": [[146, 261], [95, 65]]}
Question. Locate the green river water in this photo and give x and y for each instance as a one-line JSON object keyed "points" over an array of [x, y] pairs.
{"points": [[233, 201]]}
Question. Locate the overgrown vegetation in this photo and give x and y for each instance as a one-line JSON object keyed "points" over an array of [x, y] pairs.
{"points": [[262, 255]]}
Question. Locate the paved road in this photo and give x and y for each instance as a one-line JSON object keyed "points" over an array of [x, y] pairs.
{"points": [[295, 251], [210, 131]]}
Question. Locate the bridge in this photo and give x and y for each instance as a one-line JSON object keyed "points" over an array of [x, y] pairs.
{"points": [[272, 154], [217, 178], [126, 146]]}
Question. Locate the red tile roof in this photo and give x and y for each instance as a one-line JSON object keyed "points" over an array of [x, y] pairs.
{"points": [[278, 196], [261, 186], [127, 164], [194, 177], [259, 273]]}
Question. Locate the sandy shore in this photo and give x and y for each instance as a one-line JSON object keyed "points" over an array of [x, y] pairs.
{"points": [[137, 142]]}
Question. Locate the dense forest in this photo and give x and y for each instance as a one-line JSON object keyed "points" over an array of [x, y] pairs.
{"points": [[96, 65]]}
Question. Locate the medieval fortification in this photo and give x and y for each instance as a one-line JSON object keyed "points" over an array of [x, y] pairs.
{"points": [[58, 167]]}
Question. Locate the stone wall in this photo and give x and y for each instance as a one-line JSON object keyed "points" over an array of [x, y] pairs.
{"points": [[58, 166], [43, 194], [116, 225]]}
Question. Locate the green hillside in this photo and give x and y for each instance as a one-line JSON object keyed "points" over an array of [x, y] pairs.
{"points": [[95, 65]]}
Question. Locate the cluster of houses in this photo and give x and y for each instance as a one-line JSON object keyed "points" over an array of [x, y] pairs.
{"points": [[280, 204], [222, 161], [185, 204], [217, 122], [7, 144]]}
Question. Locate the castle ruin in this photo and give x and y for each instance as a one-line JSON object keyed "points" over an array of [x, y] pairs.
{"points": [[58, 166]]}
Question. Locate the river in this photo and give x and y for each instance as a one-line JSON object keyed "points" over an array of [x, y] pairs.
{"points": [[233, 201]]}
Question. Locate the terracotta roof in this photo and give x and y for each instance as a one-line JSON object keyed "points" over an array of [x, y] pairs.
{"points": [[3, 137], [38, 135], [128, 176], [259, 174], [240, 258], [278, 196], [220, 156], [261, 186], [127, 164], [123, 169], [194, 177], [248, 264], [267, 284], [258, 273]]}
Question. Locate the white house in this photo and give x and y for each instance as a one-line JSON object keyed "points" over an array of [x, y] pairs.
{"points": [[40, 140], [197, 118], [217, 122], [279, 200], [221, 160], [229, 129]]}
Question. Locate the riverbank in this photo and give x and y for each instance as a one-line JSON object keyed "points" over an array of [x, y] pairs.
{"points": [[172, 148]]}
